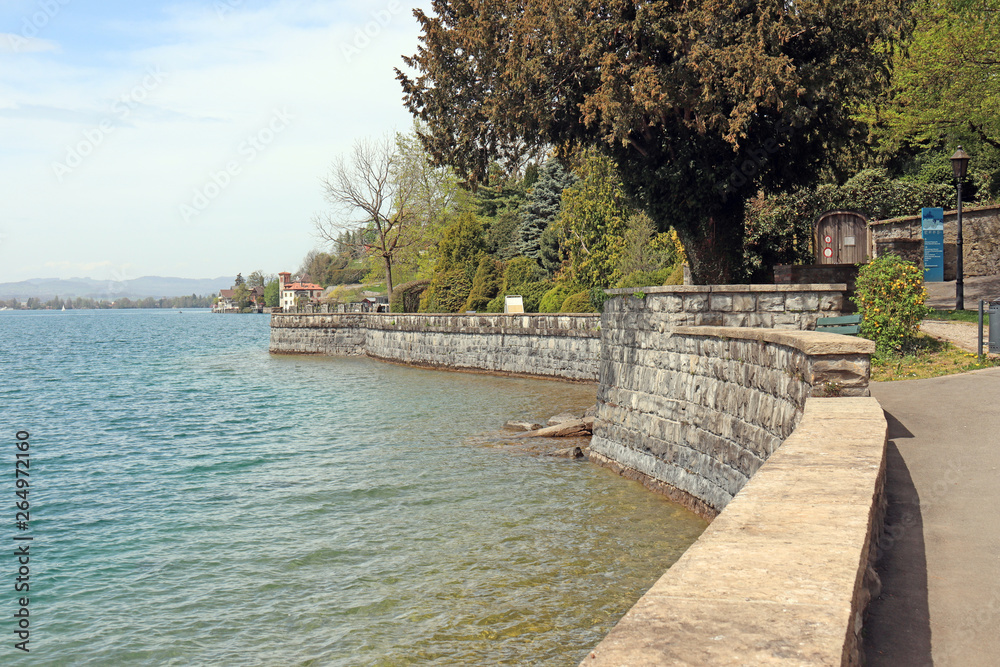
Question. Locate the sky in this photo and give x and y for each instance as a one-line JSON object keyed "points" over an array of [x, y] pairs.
{"points": [[184, 139]]}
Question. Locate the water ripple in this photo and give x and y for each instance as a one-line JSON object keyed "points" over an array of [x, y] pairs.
{"points": [[197, 501]]}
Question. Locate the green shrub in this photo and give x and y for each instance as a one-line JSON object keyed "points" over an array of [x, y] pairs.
{"points": [[553, 299], [597, 298], [521, 270], [496, 305], [578, 303], [648, 278], [890, 298], [406, 297], [485, 284], [447, 292]]}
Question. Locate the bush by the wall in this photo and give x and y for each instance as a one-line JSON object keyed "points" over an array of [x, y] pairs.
{"points": [[578, 303], [890, 298], [485, 284], [553, 299], [447, 292], [406, 297]]}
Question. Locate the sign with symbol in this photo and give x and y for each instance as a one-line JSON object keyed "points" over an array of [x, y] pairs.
{"points": [[932, 228], [828, 239], [828, 252]]}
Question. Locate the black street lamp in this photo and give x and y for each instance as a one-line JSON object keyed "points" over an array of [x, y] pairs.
{"points": [[960, 164]]}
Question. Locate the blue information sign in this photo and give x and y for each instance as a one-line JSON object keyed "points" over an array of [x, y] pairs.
{"points": [[932, 226]]}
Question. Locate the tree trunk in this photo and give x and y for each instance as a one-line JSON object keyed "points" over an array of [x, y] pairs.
{"points": [[714, 254], [387, 260]]}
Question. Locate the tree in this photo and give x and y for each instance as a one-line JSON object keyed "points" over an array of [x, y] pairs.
{"points": [[699, 103], [241, 296], [272, 293], [259, 279], [239, 280], [948, 82], [593, 221], [542, 206], [373, 189]]}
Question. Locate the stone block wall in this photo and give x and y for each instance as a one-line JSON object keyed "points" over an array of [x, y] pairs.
{"points": [[783, 575], [695, 411], [980, 238], [550, 346], [761, 306]]}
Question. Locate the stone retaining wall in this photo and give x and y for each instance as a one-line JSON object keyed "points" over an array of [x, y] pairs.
{"points": [[767, 306], [782, 576], [551, 346], [695, 411]]}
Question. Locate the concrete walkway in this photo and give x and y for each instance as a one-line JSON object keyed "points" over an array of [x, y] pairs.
{"points": [[940, 555]]}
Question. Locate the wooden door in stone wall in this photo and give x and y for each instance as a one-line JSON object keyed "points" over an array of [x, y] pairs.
{"points": [[841, 237]]}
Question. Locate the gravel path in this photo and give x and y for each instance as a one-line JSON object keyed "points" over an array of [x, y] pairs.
{"points": [[963, 335]]}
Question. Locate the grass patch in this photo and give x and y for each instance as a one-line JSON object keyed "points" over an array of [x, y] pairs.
{"points": [[957, 316], [927, 357]]}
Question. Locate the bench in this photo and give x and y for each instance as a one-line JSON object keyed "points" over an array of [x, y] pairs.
{"points": [[848, 324]]}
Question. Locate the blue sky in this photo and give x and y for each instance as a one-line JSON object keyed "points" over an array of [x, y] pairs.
{"points": [[183, 138]]}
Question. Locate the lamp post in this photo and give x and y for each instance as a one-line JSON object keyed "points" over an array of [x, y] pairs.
{"points": [[959, 165]]}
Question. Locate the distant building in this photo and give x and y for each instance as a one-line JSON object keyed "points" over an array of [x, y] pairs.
{"points": [[290, 292], [225, 304]]}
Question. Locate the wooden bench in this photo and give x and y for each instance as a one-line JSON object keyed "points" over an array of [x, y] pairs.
{"points": [[848, 324]]}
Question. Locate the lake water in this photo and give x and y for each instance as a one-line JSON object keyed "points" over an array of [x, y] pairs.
{"points": [[195, 500]]}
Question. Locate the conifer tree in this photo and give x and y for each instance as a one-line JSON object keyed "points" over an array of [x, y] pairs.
{"points": [[542, 206]]}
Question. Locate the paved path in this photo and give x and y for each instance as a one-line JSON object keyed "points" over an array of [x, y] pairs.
{"points": [[942, 295], [940, 563]]}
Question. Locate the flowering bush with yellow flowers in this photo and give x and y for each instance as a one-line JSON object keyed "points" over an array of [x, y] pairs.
{"points": [[890, 298]]}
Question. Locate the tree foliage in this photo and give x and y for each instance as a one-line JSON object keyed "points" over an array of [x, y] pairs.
{"points": [[542, 206], [948, 81], [699, 103], [593, 219]]}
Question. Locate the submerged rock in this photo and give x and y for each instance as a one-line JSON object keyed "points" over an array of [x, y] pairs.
{"points": [[569, 453], [518, 425], [563, 417]]}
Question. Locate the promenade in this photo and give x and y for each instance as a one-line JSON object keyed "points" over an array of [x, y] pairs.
{"points": [[940, 561]]}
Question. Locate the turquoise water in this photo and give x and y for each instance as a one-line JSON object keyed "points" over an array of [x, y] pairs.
{"points": [[195, 500]]}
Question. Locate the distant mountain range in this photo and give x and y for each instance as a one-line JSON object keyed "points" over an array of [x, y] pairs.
{"points": [[154, 286]]}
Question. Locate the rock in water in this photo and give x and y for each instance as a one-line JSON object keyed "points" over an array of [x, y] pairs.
{"points": [[568, 453], [516, 425], [562, 417], [577, 427]]}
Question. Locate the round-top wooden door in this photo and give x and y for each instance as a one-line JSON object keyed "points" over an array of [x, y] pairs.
{"points": [[841, 238]]}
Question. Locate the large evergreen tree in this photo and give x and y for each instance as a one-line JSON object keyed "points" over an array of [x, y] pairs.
{"points": [[542, 206], [699, 103]]}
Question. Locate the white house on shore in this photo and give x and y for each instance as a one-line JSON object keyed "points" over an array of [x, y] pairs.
{"points": [[290, 292]]}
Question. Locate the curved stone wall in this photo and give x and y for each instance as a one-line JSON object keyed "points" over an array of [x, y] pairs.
{"points": [[566, 347], [695, 411]]}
